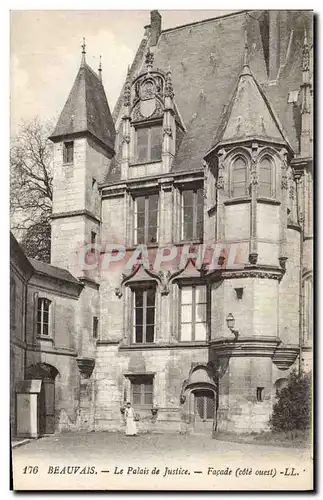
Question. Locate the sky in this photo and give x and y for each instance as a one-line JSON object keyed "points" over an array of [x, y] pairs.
{"points": [[45, 53]]}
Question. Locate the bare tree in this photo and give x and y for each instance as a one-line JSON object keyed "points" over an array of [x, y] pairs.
{"points": [[31, 187]]}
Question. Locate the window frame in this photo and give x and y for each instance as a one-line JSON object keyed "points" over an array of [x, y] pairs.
{"points": [[40, 324], [94, 236], [95, 327], [272, 183], [195, 205], [142, 380], [144, 287], [194, 305], [66, 159], [148, 127], [260, 394], [247, 177], [146, 226]]}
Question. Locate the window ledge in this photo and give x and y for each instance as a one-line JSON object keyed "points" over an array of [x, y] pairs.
{"points": [[135, 246], [235, 201], [148, 162], [271, 201], [190, 242], [49, 338], [68, 163], [169, 345], [142, 407]]}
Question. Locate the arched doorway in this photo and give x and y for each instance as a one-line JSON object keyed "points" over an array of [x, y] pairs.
{"points": [[46, 401], [204, 410]]}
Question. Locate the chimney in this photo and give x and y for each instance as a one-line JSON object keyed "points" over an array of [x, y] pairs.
{"points": [[155, 26]]}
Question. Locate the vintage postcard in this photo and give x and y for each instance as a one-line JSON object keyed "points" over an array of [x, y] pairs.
{"points": [[161, 267]]}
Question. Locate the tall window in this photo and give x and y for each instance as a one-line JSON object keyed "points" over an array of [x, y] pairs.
{"points": [[43, 316], [149, 144], [142, 390], [192, 214], [239, 178], [146, 218], [68, 152], [193, 313], [144, 315], [95, 327], [266, 177], [93, 241]]}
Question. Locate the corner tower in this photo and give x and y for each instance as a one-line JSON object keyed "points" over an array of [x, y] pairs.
{"points": [[83, 147], [255, 208]]}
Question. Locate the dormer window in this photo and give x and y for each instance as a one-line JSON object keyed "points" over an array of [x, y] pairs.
{"points": [[148, 144], [68, 152]]}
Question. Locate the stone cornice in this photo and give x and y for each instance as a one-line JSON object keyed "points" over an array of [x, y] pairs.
{"points": [[168, 345], [75, 213], [107, 342], [285, 356], [245, 346], [59, 351], [222, 349], [248, 272], [89, 281]]}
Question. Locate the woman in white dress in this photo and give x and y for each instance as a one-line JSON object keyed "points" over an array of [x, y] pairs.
{"points": [[129, 414]]}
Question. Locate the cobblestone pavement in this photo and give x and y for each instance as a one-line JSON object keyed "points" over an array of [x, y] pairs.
{"points": [[97, 444], [108, 451]]}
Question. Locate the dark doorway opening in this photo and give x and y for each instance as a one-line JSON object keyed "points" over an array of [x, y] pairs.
{"points": [[204, 410], [46, 401]]}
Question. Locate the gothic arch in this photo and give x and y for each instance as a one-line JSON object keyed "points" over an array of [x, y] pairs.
{"points": [[42, 371]]}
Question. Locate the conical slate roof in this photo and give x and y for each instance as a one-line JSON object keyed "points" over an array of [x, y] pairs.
{"points": [[86, 110], [249, 115]]}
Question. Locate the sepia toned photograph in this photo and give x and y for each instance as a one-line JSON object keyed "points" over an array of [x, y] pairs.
{"points": [[161, 250]]}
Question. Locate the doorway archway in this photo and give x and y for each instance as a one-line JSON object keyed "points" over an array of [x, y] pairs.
{"points": [[46, 401], [199, 400]]}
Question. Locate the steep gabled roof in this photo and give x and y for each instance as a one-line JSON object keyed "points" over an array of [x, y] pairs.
{"points": [[249, 115], [86, 110], [206, 59], [42, 268]]}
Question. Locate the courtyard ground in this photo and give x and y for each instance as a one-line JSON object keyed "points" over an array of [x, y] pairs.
{"points": [[208, 463]]}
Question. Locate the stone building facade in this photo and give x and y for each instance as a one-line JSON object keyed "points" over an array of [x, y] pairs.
{"points": [[205, 167]]}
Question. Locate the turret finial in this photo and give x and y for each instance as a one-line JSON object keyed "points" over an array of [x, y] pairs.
{"points": [[246, 69], [100, 69], [306, 53], [83, 51], [245, 57]]}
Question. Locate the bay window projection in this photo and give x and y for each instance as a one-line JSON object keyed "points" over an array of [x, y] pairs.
{"points": [[193, 313]]}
